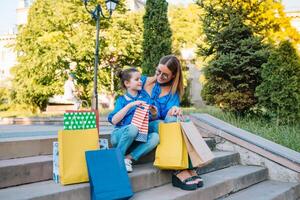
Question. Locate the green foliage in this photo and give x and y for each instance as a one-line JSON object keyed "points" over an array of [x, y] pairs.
{"points": [[4, 95], [157, 35], [4, 99], [185, 26], [123, 47], [234, 35], [279, 92], [233, 72], [267, 18], [56, 33], [60, 31]]}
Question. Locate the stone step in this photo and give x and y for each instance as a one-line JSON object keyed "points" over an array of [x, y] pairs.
{"points": [[25, 170], [39, 168], [216, 184], [144, 177], [19, 147], [268, 190], [11, 148], [25, 147], [43, 121]]}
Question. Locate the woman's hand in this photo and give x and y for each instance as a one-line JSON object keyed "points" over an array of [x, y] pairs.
{"points": [[175, 111], [153, 111]]}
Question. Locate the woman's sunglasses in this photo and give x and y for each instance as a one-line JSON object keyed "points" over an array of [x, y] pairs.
{"points": [[164, 76]]}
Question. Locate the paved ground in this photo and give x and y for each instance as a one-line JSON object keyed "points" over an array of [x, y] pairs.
{"points": [[12, 131]]}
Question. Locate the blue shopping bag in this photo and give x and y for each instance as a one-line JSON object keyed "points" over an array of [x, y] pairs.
{"points": [[107, 174]]}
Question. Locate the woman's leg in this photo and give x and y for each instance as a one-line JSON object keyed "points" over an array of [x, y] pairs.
{"points": [[144, 148], [153, 126], [183, 174], [123, 137]]}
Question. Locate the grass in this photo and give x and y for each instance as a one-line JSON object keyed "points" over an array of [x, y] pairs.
{"points": [[286, 135]]}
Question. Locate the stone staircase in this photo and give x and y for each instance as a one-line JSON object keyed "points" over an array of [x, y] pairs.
{"points": [[26, 173]]}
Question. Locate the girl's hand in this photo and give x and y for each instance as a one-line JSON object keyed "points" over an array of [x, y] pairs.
{"points": [[175, 111], [136, 103]]}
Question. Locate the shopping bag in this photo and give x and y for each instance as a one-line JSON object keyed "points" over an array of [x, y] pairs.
{"points": [[72, 145], [108, 175], [81, 119], [194, 159], [171, 152], [141, 120], [55, 163], [201, 153]]}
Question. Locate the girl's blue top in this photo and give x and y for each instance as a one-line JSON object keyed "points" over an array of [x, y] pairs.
{"points": [[121, 102], [164, 103]]}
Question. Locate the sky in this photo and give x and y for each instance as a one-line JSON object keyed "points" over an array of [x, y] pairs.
{"points": [[8, 11]]}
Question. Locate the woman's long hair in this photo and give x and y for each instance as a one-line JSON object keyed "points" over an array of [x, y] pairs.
{"points": [[174, 66]]}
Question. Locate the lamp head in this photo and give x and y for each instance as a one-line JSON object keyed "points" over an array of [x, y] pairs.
{"points": [[111, 5]]}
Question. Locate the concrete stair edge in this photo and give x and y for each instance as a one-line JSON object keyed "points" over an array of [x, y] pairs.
{"points": [[216, 184], [43, 145], [235, 178], [39, 168], [268, 190]]}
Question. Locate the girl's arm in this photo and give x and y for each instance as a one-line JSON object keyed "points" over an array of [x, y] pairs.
{"points": [[121, 113]]}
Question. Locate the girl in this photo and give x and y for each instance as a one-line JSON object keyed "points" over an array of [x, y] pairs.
{"points": [[124, 133]]}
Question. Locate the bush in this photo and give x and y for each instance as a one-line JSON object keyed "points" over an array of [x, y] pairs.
{"points": [[279, 91], [4, 95], [234, 70]]}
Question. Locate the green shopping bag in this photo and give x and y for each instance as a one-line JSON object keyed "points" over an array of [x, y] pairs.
{"points": [[80, 120]]}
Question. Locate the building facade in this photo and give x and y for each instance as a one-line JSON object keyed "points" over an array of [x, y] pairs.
{"points": [[8, 57]]}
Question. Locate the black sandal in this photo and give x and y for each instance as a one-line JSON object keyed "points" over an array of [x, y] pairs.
{"points": [[200, 183], [176, 182]]}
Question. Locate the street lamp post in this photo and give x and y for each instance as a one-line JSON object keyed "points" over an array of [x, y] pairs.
{"points": [[96, 15]]}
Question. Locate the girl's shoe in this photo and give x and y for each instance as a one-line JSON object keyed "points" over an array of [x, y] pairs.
{"points": [[128, 165], [184, 185]]}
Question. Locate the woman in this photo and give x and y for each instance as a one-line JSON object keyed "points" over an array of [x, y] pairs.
{"points": [[164, 91]]}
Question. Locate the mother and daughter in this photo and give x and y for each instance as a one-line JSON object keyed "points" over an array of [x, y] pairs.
{"points": [[162, 92]]}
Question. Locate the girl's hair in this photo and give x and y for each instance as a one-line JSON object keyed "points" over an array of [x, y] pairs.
{"points": [[125, 75], [174, 66]]}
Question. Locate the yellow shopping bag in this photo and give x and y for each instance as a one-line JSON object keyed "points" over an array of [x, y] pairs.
{"points": [[72, 146], [171, 153]]}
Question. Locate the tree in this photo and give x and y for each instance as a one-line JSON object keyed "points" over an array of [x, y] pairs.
{"points": [[185, 26], [157, 37], [267, 18], [123, 46], [233, 72], [235, 36], [279, 92], [58, 32]]}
